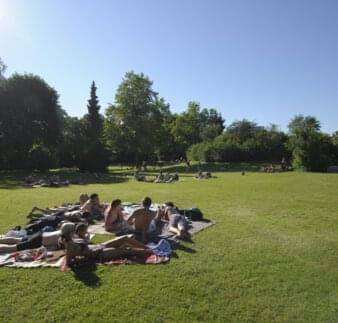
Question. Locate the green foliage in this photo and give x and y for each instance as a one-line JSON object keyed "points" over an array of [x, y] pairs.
{"points": [[194, 126], [243, 141], [3, 68], [134, 124], [311, 149], [41, 158], [93, 155], [29, 113]]}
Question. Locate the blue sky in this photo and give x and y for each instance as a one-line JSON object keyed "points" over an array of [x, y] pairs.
{"points": [[264, 60]]}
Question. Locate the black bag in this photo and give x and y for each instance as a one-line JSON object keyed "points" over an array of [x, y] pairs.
{"points": [[193, 214]]}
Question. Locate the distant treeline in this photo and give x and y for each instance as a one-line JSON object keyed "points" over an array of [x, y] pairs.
{"points": [[36, 133]]}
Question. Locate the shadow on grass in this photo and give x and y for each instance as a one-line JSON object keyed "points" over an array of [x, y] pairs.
{"points": [[86, 273], [212, 167], [14, 180]]}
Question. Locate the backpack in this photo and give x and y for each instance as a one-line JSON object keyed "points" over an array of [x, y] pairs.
{"points": [[193, 214]]}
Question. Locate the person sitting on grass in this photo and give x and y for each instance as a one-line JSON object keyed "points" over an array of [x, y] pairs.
{"points": [[93, 206], [141, 218], [139, 177], [203, 175], [177, 222], [113, 216], [176, 177], [159, 178], [36, 240], [77, 247]]}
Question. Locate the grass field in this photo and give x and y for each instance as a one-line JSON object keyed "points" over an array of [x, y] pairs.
{"points": [[271, 257]]}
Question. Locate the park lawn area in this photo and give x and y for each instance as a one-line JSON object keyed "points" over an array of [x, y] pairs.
{"points": [[272, 256]]}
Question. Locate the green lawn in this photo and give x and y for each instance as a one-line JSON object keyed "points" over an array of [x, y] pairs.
{"points": [[271, 257]]}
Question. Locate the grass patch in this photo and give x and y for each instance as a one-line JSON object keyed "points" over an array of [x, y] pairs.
{"points": [[271, 257]]}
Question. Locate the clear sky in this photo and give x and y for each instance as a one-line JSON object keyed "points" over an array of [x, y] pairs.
{"points": [[264, 60]]}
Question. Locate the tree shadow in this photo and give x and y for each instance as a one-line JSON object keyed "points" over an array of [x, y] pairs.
{"points": [[16, 179]]}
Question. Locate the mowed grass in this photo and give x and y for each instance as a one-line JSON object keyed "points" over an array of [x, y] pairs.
{"points": [[271, 257]]}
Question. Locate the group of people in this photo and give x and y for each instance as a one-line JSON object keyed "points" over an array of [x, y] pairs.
{"points": [[160, 178], [66, 227], [54, 181], [203, 175], [144, 220]]}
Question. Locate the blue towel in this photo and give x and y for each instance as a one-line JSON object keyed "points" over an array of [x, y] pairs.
{"points": [[162, 249]]}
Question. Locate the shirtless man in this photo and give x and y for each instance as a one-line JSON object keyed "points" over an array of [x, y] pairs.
{"points": [[142, 217]]}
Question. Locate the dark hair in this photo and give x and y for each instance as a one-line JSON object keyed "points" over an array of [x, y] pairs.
{"points": [[80, 226], [94, 196], [170, 204], [115, 203], [86, 215], [146, 201]]}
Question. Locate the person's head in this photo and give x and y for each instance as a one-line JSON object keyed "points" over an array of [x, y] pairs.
{"points": [[94, 198], [67, 230], [81, 229], [146, 202], [115, 203], [83, 198], [169, 204]]}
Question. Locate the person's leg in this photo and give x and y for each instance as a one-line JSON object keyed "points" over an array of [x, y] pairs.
{"points": [[182, 228], [174, 230], [50, 238], [124, 241], [10, 240], [5, 248]]}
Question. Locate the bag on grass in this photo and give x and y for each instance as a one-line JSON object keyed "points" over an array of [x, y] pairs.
{"points": [[193, 214]]}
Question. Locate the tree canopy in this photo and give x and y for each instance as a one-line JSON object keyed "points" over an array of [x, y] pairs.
{"points": [[36, 133]]}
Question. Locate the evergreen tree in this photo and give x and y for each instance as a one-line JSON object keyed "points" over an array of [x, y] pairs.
{"points": [[94, 155], [93, 117]]}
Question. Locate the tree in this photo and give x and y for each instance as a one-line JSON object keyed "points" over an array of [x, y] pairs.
{"points": [[94, 118], [311, 149], [132, 123], [3, 68], [30, 115], [94, 156]]}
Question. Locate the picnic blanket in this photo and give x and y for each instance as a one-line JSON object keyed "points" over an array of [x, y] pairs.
{"points": [[162, 230], [33, 258]]}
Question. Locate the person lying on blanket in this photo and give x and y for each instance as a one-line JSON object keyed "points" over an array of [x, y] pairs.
{"points": [[33, 241], [64, 210], [177, 222], [76, 245], [93, 206], [142, 217], [113, 216]]}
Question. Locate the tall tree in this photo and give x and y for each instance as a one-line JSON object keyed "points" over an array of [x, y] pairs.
{"points": [[94, 156], [95, 121], [132, 122]]}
